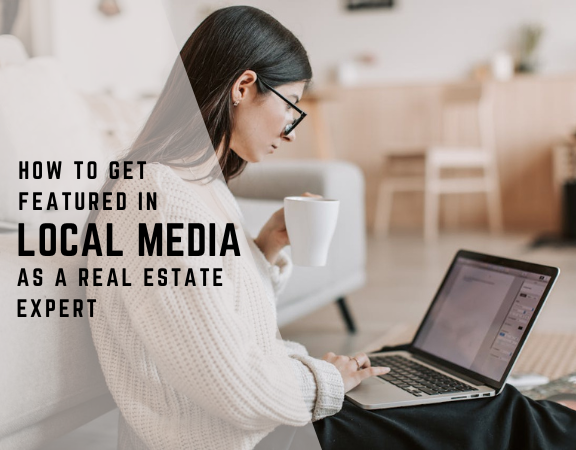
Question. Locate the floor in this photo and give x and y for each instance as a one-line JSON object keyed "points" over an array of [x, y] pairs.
{"points": [[403, 275]]}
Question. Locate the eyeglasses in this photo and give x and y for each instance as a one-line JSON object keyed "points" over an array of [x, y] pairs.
{"points": [[289, 128]]}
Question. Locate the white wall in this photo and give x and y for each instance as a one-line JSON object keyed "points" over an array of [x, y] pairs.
{"points": [[128, 54], [418, 40]]}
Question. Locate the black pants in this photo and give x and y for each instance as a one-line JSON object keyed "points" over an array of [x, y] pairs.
{"points": [[508, 421]]}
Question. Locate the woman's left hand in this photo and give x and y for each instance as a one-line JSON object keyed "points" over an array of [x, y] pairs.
{"points": [[273, 236]]}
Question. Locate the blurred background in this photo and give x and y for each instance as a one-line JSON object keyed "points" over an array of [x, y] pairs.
{"points": [[380, 78], [460, 115]]}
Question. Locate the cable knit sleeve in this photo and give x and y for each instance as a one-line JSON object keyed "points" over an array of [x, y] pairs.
{"points": [[321, 383], [279, 273]]}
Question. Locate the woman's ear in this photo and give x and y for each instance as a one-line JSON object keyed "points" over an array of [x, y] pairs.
{"points": [[244, 87]]}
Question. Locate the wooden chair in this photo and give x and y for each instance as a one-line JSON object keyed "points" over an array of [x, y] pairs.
{"points": [[464, 108]]}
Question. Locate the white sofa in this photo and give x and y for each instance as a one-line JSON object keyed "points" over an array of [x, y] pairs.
{"points": [[51, 382], [260, 190]]}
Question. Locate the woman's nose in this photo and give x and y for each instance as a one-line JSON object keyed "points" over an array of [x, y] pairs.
{"points": [[290, 137]]}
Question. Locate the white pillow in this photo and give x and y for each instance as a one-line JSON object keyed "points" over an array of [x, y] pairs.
{"points": [[43, 119]]}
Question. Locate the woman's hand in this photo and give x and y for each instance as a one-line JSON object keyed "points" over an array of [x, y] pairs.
{"points": [[273, 236], [354, 370]]}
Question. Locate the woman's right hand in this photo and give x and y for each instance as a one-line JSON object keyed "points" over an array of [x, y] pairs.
{"points": [[354, 372]]}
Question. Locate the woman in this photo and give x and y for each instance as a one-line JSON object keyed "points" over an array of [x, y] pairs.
{"points": [[201, 367], [195, 362]]}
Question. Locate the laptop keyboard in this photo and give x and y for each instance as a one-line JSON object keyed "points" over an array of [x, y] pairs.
{"points": [[416, 378]]}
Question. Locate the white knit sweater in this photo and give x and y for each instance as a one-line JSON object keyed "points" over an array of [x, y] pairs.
{"points": [[199, 367]]}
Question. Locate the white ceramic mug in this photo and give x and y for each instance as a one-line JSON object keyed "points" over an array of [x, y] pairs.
{"points": [[310, 222]]}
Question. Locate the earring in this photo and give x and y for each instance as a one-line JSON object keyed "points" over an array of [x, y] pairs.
{"points": [[236, 103]]}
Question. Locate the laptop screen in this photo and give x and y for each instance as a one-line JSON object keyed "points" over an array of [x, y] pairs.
{"points": [[480, 315]]}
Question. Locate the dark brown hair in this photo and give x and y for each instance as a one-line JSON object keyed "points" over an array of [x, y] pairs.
{"points": [[228, 42]]}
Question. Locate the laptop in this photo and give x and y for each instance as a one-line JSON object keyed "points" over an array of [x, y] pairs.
{"points": [[469, 339]]}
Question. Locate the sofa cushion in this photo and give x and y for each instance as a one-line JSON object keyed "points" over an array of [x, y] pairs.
{"points": [[41, 119], [53, 365]]}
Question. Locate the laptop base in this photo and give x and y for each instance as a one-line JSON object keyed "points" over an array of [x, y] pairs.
{"points": [[375, 393]]}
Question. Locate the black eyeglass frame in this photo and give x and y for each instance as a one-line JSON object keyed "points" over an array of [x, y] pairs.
{"points": [[289, 128]]}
